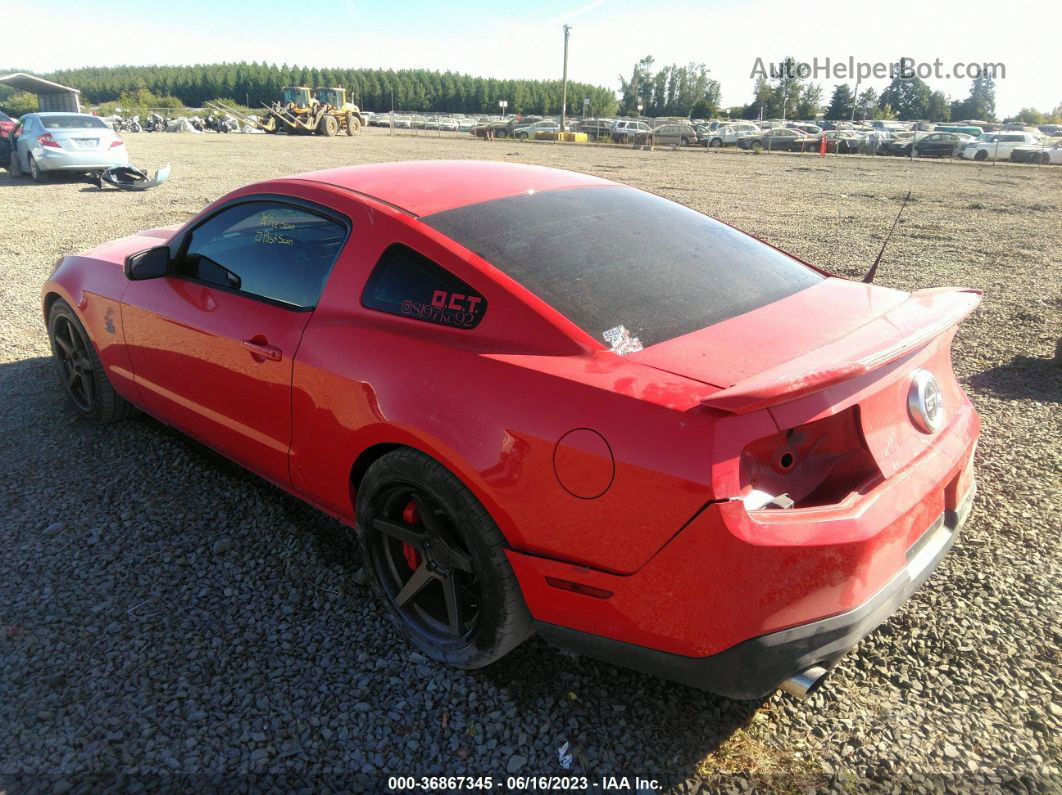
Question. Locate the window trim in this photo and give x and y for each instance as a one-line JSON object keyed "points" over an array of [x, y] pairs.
{"points": [[179, 247]]}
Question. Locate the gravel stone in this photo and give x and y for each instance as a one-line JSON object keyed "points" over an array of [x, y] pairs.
{"points": [[221, 546], [134, 648]]}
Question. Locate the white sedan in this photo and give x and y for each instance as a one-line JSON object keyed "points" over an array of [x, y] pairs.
{"points": [[46, 143]]}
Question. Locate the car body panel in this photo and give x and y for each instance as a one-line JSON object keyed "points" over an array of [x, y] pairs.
{"points": [[185, 343], [774, 334], [428, 187], [757, 572]]}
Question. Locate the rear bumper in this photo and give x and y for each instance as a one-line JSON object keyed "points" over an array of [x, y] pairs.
{"points": [[66, 160], [756, 667]]}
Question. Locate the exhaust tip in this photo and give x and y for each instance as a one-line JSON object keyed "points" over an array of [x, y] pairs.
{"points": [[805, 683]]}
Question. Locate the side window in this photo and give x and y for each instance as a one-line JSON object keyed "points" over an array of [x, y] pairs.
{"points": [[409, 284], [266, 249]]}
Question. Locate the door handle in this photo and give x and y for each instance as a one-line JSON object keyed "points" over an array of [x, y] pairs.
{"points": [[262, 350]]}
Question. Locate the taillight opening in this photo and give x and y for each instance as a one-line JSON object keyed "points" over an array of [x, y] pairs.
{"points": [[49, 141], [117, 142], [817, 464]]}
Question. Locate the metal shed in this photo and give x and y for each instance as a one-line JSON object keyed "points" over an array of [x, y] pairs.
{"points": [[51, 96]]}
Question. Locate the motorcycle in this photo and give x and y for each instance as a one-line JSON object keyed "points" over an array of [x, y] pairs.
{"points": [[220, 124], [130, 124], [155, 123]]}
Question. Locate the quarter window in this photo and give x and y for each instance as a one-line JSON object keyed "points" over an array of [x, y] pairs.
{"points": [[409, 284], [269, 250]]}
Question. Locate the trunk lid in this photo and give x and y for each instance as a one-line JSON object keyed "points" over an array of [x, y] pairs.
{"points": [[830, 332], [836, 346], [80, 140]]}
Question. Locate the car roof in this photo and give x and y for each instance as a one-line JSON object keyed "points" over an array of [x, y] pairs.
{"points": [[425, 187]]}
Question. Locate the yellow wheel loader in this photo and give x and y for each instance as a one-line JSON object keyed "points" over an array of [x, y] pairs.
{"points": [[300, 111]]}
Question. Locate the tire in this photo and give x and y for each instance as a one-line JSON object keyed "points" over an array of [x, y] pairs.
{"points": [[328, 125], [353, 126], [981, 155], [715, 143], [521, 135], [460, 551], [35, 172], [1045, 158], [684, 141], [80, 372], [14, 168]]}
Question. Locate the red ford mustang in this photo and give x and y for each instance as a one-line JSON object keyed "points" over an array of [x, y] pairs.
{"points": [[548, 402]]}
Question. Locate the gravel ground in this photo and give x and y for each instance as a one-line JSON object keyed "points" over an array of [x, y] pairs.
{"points": [[168, 619]]}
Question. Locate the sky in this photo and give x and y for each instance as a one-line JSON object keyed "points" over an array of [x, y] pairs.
{"points": [[494, 38]]}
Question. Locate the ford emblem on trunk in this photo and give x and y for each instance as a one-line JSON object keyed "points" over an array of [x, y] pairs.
{"points": [[925, 401]]}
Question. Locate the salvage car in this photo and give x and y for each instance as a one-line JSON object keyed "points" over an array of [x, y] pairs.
{"points": [[49, 143], [998, 146], [928, 144], [728, 134], [533, 130], [675, 134], [1031, 153], [775, 139], [547, 402], [837, 141], [7, 125], [595, 129], [629, 131], [941, 144]]}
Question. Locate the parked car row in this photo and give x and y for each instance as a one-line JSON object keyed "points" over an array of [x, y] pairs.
{"points": [[421, 121]]}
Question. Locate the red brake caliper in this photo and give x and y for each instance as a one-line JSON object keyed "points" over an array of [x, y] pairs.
{"points": [[410, 517]]}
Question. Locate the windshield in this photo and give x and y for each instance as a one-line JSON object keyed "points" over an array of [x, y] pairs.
{"points": [[615, 256], [71, 122]]}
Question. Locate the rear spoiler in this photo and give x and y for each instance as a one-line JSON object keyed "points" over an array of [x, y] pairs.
{"points": [[922, 317]]}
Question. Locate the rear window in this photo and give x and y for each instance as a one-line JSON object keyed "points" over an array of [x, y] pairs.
{"points": [[616, 256], [71, 122]]}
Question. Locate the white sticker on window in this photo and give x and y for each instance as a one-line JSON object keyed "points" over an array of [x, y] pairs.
{"points": [[621, 342]]}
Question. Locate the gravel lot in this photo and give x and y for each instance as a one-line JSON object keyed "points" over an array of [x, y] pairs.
{"points": [[169, 620]]}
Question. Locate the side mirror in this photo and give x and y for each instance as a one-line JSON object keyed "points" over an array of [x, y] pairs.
{"points": [[151, 264]]}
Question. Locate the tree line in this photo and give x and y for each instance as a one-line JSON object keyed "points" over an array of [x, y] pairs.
{"points": [[377, 90], [907, 98], [671, 90]]}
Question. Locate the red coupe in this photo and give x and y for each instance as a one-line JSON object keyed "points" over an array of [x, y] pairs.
{"points": [[550, 403]]}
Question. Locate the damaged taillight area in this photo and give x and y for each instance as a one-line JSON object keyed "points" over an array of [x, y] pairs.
{"points": [[812, 465]]}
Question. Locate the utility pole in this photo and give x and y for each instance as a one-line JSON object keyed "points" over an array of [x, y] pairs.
{"points": [[564, 90]]}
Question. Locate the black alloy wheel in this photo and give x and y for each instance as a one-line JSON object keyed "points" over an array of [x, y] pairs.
{"points": [[80, 371], [423, 566], [75, 363], [438, 562]]}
